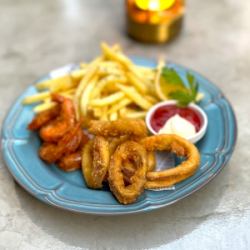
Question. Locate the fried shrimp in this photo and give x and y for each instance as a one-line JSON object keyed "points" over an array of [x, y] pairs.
{"points": [[54, 130], [49, 152], [95, 161], [52, 152], [179, 146], [135, 153], [71, 162], [43, 118], [136, 128]]}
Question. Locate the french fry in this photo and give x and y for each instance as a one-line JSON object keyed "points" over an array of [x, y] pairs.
{"points": [[110, 71], [107, 100], [141, 77], [63, 86], [144, 70], [45, 84], [110, 64], [63, 82], [91, 71], [55, 83], [113, 116], [100, 112], [70, 91], [43, 106], [36, 97], [134, 95], [104, 115], [135, 114], [96, 61], [148, 76], [110, 88], [85, 80], [151, 99], [78, 74], [85, 98], [47, 100], [122, 112], [118, 57], [97, 112], [137, 83], [159, 93], [104, 82], [105, 88], [121, 104]]}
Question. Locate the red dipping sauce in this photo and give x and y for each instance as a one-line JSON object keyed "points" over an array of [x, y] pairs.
{"points": [[163, 113]]}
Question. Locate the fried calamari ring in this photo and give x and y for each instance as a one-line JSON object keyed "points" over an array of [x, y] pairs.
{"points": [[115, 142], [134, 152], [151, 161], [95, 161], [87, 160], [136, 128], [101, 157], [179, 146], [128, 169], [166, 182]]}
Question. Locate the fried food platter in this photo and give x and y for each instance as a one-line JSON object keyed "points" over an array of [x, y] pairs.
{"points": [[69, 191]]}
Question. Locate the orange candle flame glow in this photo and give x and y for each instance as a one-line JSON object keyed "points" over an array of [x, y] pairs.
{"points": [[154, 5]]}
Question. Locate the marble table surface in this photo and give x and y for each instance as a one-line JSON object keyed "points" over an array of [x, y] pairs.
{"points": [[37, 36]]}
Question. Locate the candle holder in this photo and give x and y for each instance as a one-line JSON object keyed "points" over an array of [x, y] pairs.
{"points": [[154, 21]]}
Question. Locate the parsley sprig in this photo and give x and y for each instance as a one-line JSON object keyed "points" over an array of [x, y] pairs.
{"points": [[185, 94]]}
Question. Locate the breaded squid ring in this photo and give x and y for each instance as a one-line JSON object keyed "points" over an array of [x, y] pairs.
{"points": [[151, 161], [128, 168], [135, 153], [135, 128], [115, 142], [179, 146], [95, 161], [167, 182]]}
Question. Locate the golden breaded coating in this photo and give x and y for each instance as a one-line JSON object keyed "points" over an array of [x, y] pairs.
{"points": [[135, 128]]}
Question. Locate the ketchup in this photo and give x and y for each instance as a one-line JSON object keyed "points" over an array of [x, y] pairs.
{"points": [[162, 114]]}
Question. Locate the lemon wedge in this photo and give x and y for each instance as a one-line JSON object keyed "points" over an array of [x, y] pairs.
{"points": [[162, 87]]}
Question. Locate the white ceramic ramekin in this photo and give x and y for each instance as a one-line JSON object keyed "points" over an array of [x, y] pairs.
{"points": [[202, 114]]}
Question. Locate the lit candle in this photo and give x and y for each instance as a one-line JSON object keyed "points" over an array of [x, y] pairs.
{"points": [[154, 5], [154, 20]]}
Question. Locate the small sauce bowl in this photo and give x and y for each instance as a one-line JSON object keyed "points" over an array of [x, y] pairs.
{"points": [[196, 112]]}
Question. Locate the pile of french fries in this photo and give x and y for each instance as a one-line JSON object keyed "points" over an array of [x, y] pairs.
{"points": [[108, 88]]}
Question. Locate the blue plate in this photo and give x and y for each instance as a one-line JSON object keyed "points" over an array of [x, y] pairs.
{"points": [[68, 190]]}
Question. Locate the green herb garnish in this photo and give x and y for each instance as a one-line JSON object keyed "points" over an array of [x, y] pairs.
{"points": [[185, 94]]}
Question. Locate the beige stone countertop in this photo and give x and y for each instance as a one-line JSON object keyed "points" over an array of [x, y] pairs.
{"points": [[37, 36]]}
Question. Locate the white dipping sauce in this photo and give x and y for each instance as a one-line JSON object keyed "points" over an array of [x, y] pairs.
{"points": [[179, 126]]}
